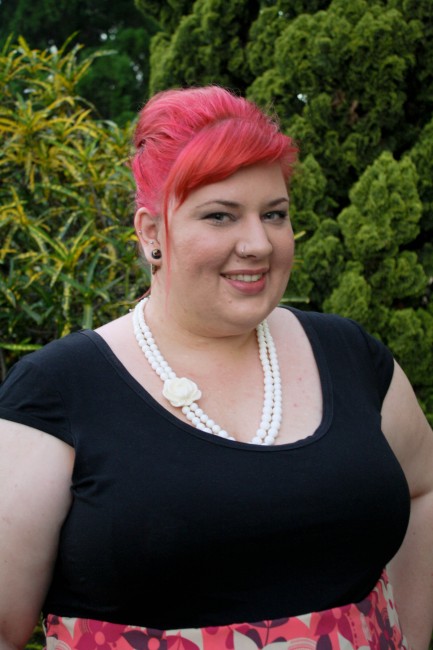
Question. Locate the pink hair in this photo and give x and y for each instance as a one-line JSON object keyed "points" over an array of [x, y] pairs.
{"points": [[188, 138]]}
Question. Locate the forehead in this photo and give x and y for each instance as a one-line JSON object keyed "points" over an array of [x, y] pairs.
{"points": [[259, 183]]}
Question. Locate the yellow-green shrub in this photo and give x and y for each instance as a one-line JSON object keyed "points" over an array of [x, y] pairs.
{"points": [[67, 249]]}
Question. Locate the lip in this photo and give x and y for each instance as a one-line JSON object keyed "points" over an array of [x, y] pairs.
{"points": [[244, 277], [251, 281], [261, 271]]}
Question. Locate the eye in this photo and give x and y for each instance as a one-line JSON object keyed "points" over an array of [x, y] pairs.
{"points": [[276, 215], [218, 217]]}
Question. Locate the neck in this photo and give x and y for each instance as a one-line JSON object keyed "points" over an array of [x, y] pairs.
{"points": [[183, 392], [176, 330]]}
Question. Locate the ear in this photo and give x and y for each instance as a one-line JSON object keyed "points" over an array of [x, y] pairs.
{"points": [[147, 228]]}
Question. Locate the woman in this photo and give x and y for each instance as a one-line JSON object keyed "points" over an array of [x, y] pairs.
{"points": [[209, 471]]}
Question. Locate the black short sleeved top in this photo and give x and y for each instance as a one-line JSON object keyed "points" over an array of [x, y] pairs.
{"points": [[171, 527]]}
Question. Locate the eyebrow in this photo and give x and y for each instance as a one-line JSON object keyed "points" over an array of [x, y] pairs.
{"points": [[234, 204]]}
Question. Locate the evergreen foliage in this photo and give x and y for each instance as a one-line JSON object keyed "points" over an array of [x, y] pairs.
{"points": [[353, 83], [207, 46], [116, 84]]}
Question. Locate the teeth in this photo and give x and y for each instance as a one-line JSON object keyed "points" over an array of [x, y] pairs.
{"points": [[246, 278]]}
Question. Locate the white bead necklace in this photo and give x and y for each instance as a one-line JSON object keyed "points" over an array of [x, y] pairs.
{"points": [[184, 393]]}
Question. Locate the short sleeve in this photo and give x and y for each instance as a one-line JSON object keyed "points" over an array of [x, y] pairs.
{"points": [[382, 360], [345, 340], [29, 396]]}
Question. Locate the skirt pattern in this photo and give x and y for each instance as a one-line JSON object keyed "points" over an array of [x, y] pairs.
{"points": [[371, 624]]}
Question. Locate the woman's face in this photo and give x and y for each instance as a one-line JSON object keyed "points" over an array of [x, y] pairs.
{"points": [[231, 251]]}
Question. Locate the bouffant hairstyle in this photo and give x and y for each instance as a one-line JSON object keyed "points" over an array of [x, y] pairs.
{"points": [[187, 138]]}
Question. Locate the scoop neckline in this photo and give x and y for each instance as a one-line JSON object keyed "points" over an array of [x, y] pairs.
{"points": [[324, 377]]}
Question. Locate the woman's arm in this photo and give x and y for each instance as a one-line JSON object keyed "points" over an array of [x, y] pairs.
{"points": [[411, 571], [35, 479]]}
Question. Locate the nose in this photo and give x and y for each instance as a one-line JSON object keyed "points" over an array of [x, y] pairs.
{"points": [[253, 240]]}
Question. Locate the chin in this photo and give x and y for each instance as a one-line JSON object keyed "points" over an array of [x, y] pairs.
{"points": [[248, 317]]}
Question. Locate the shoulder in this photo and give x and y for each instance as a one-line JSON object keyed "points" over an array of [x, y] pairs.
{"points": [[332, 323], [56, 360], [333, 328], [39, 389], [69, 349], [346, 345]]}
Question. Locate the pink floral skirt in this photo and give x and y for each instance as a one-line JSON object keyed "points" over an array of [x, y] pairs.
{"points": [[371, 623]]}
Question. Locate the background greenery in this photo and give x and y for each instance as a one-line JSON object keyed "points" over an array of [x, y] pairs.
{"points": [[351, 81], [67, 252], [114, 83]]}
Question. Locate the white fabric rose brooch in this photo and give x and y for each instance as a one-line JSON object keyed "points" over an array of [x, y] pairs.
{"points": [[181, 391]]}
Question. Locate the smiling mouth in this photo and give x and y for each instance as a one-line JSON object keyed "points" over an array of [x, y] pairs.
{"points": [[243, 277]]}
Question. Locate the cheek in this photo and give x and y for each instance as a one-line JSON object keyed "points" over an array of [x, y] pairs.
{"points": [[285, 248], [195, 260], [198, 254]]}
